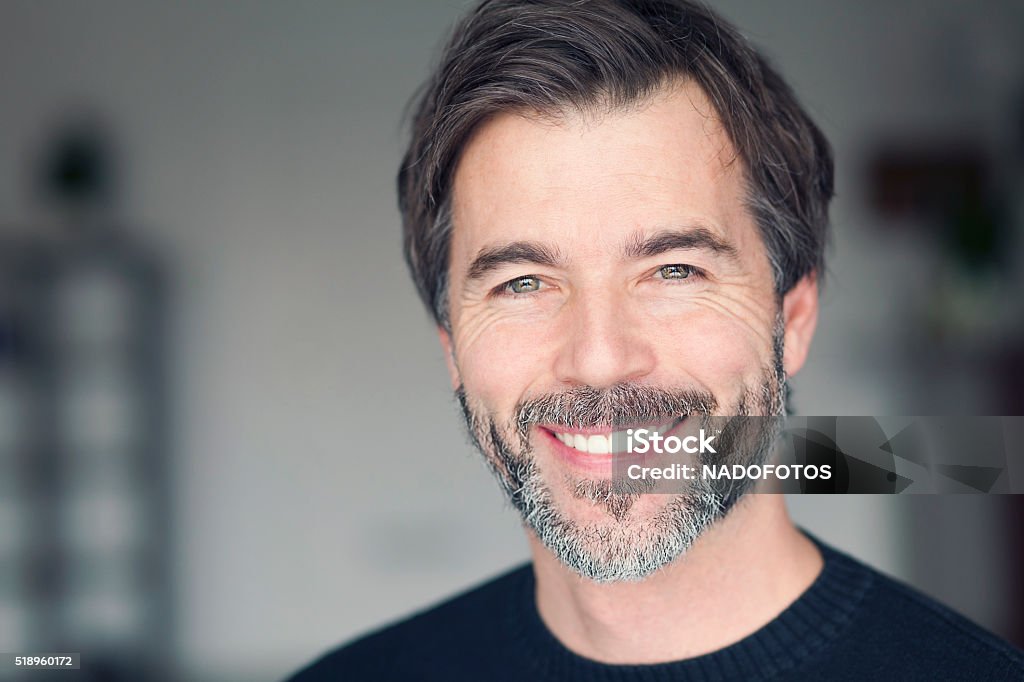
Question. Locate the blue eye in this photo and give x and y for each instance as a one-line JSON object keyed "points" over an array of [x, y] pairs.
{"points": [[522, 285], [677, 271]]}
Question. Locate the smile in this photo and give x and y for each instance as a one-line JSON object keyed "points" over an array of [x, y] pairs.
{"points": [[615, 442]]}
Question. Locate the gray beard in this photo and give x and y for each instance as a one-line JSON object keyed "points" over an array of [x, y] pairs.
{"points": [[621, 549]]}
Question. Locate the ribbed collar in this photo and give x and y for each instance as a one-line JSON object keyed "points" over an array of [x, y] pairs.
{"points": [[807, 626]]}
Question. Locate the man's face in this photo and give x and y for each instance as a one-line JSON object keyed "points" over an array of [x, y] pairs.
{"points": [[604, 274]]}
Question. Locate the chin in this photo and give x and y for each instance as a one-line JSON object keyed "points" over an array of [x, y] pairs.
{"points": [[617, 538]]}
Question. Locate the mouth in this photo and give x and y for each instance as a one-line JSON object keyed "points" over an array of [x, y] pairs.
{"points": [[598, 441]]}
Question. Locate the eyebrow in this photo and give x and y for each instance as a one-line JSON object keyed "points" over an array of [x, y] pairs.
{"points": [[514, 252], [697, 237], [639, 246]]}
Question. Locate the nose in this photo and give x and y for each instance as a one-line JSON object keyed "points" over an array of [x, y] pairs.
{"points": [[604, 344]]}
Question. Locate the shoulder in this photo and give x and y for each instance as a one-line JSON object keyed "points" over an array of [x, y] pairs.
{"points": [[906, 632], [471, 624]]}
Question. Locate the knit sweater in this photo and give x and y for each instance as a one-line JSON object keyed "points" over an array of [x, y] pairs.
{"points": [[852, 623]]}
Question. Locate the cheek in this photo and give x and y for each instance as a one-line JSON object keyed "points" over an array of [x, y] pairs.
{"points": [[721, 352], [499, 363]]}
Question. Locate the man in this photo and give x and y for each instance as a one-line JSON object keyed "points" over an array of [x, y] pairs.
{"points": [[616, 212]]}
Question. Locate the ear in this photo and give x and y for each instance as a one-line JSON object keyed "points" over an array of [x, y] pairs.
{"points": [[449, 357], [800, 312]]}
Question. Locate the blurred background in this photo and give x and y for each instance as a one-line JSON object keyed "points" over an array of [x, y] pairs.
{"points": [[206, 327]]}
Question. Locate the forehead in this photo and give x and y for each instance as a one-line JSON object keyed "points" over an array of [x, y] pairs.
{"points": [[593, 178]]}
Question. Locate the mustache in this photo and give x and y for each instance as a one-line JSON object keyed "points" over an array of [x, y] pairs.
{"points": [[584, 407]]}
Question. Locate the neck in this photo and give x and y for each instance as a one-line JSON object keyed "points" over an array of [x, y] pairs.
{"points": [[737, 577]]}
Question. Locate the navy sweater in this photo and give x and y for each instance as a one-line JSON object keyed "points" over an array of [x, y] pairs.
{"points": [[853, 623]]}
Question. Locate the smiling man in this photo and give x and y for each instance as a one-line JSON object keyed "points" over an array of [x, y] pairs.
{"points": [[616, 212]]}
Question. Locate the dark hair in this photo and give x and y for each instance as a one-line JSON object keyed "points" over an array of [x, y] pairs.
{"points": [[548, 56]]}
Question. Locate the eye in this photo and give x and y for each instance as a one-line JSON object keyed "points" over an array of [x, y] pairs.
{"points": [[678, 271], [520, 285]]}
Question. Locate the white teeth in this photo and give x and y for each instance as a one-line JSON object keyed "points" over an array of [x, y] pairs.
{"points": [[599, 445], [616, 442]]}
